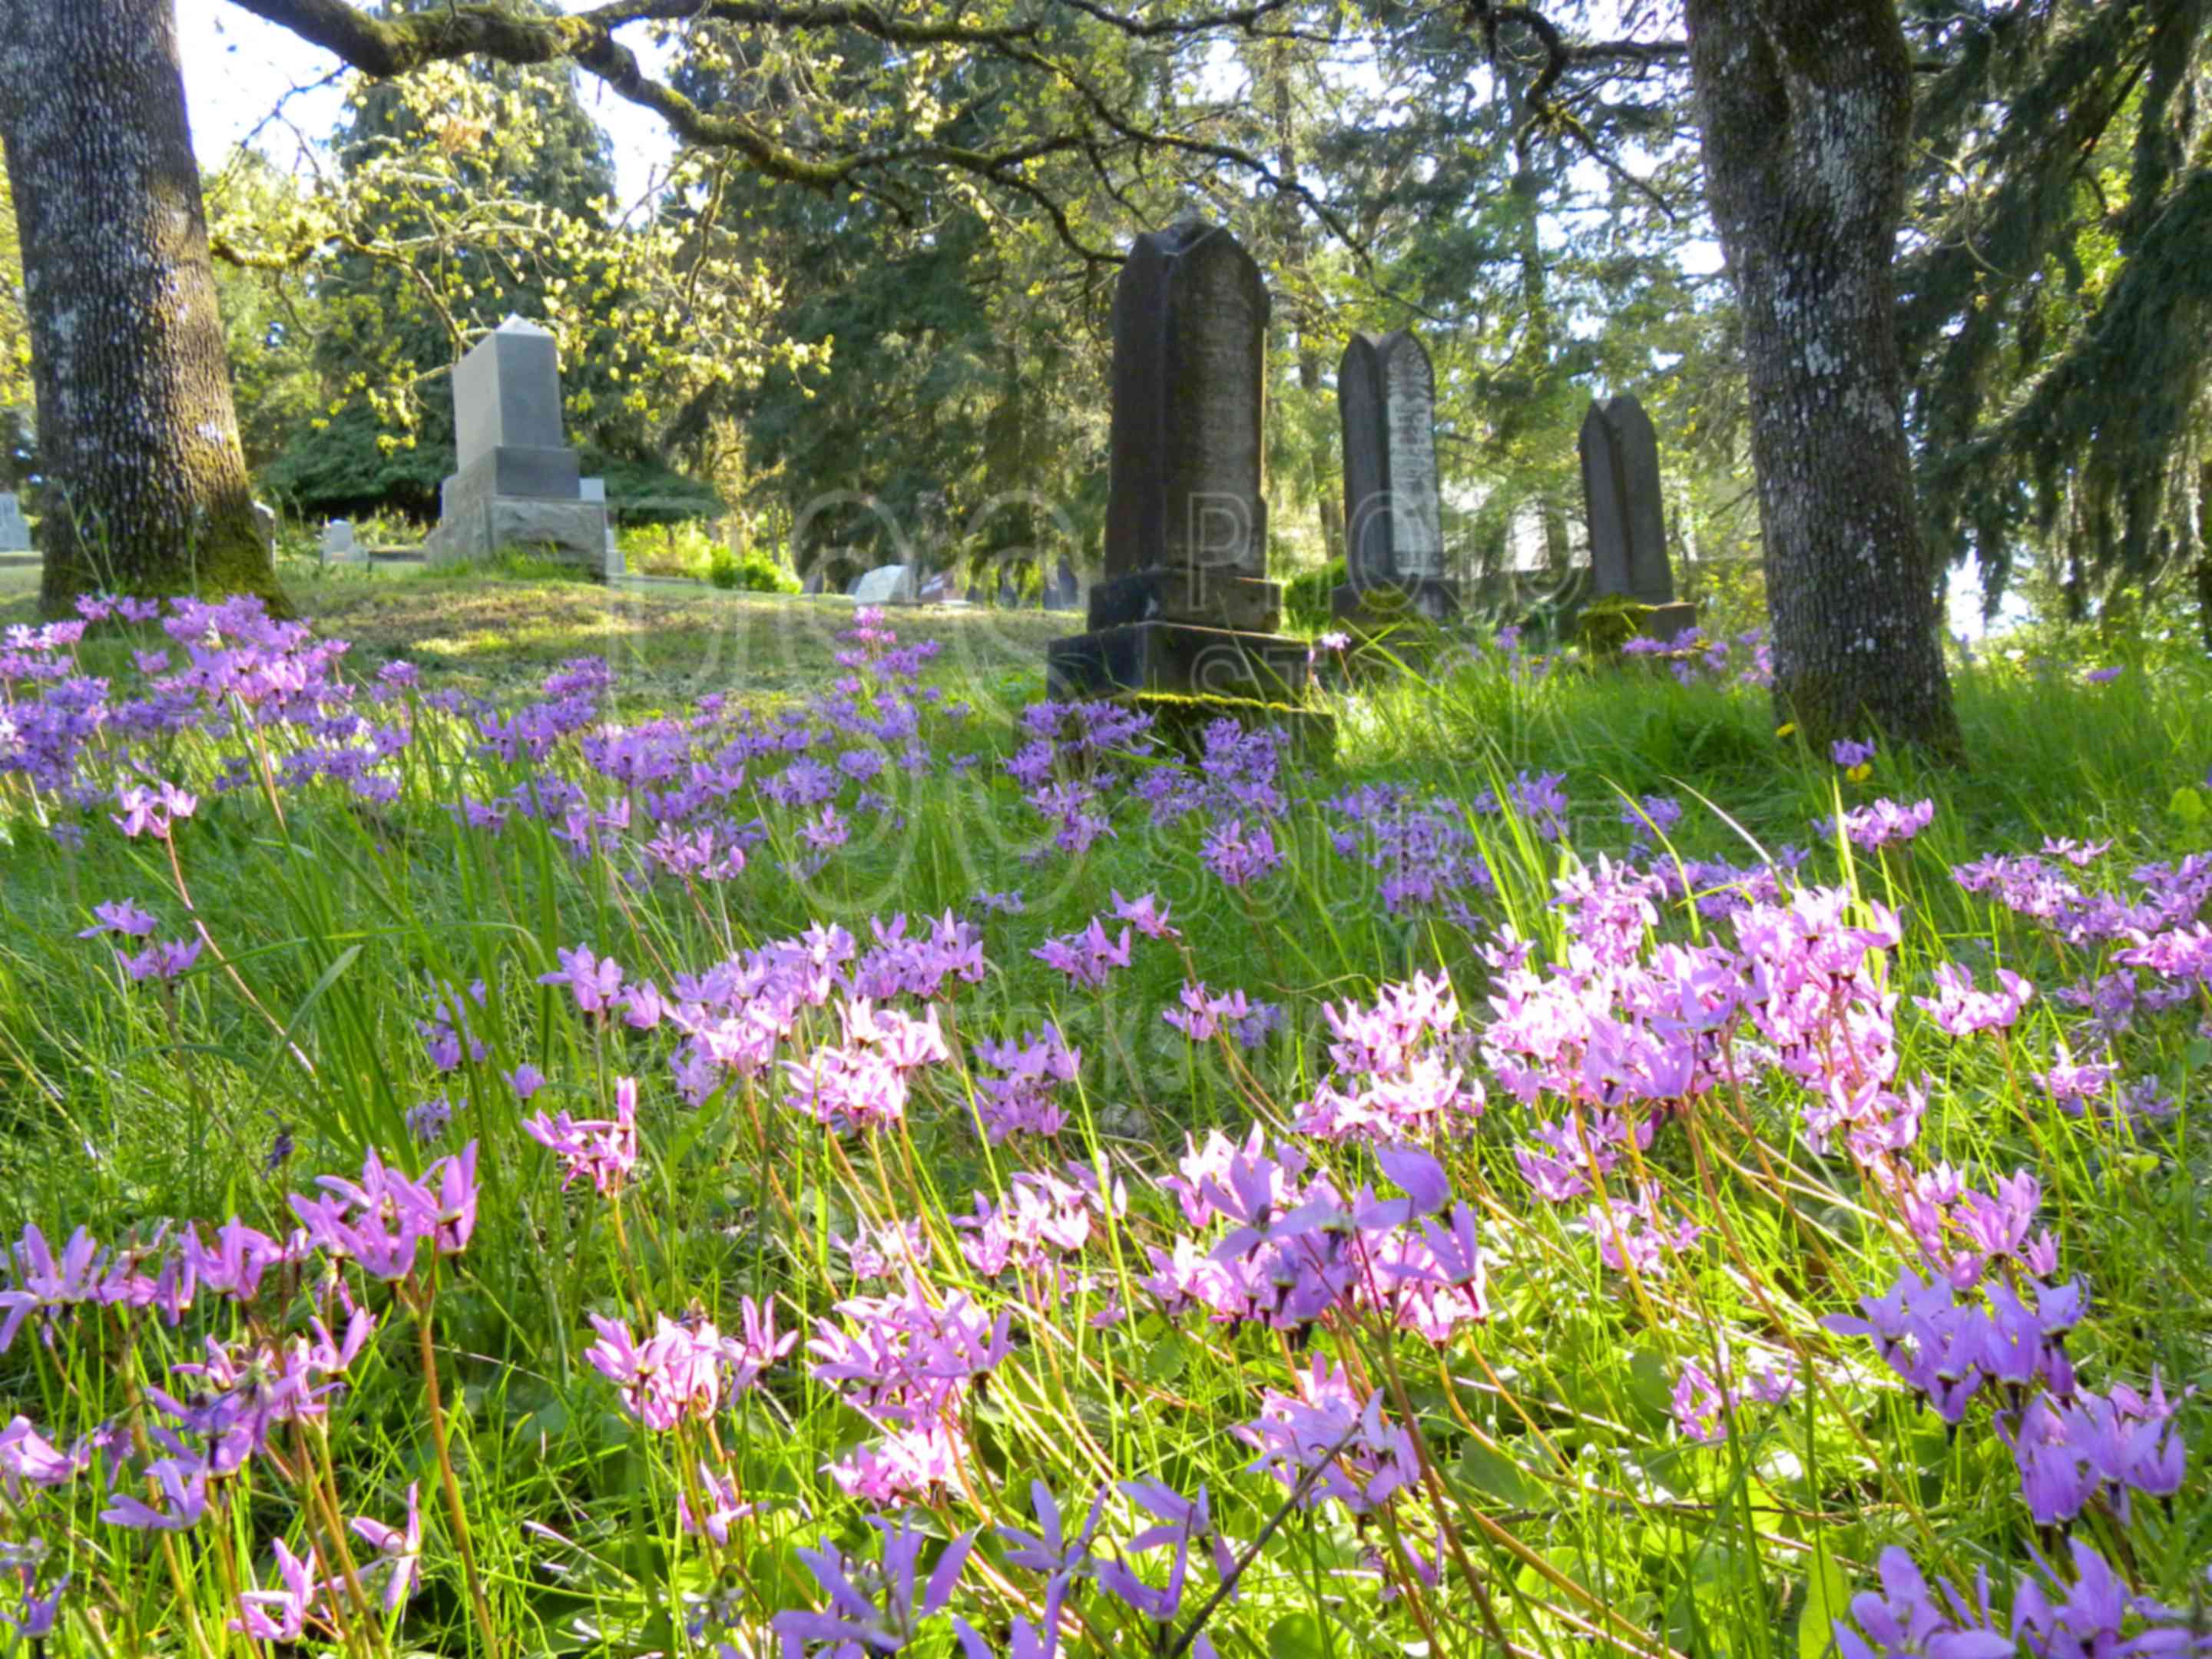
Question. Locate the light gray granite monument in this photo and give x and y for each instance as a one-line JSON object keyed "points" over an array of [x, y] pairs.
{"points": [[1627, 529], [1185, 604], [339, 546], [595, 489], [889, 584], [515, 481], [15, 534], [1386, 399]]}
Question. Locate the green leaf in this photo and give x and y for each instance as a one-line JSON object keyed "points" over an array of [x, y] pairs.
{"points": [[2188, 806], [1164, 1361], [1296, 1635], [1500, 1477], [1827, 1598], [1649, 1384]]}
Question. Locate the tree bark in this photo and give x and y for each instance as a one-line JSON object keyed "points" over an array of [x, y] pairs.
{"points": [[1806, 107], [2203, 564], [145, 484]]}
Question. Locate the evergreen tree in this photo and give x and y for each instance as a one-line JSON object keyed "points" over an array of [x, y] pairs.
{"points": [[459, 188], [2054, 298]]}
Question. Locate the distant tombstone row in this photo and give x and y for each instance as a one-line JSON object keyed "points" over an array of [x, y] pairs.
{"points": [[906, 584], [1185, 604], [1628, 527], [515, 482]]}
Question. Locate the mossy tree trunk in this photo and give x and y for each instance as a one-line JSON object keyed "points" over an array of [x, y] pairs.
{"points": [[145, 485], [1806, 108]]}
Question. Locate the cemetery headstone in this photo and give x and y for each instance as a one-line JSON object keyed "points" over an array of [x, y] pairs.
{"points": [[265, 521], [1386, 396], [595, 489], [338, 543], [15, 532], [1063, 592], [515, 481], [1627, 526], [1185, 604], [889, 584]]}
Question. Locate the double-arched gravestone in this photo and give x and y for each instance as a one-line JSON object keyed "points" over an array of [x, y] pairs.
{"points": [[1394, 544], [1628, 527]]}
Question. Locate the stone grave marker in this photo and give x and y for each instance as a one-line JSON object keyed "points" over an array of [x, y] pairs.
{"points": [[1185, 604], [888, 584], [1064, 591], [15, 532], [338, 543], [595, 489], [1386, 396], [1628, 527], [515, 481]]}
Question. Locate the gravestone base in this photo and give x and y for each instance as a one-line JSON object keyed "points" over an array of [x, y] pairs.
{"points": [[1240, 604], [573, 531], [1416, 599], [1179, 659], [1667, 623], [518, 470], [1180, 723]]}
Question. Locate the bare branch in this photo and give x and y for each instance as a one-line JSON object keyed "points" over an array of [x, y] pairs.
{"points": [[1247, 19]]}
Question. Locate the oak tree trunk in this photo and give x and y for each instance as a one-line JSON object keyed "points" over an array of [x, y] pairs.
{"points": [[146, 488], [1805, 107]]}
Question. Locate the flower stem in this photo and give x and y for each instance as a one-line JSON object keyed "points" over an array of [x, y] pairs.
{"points": [[452, 1487]]}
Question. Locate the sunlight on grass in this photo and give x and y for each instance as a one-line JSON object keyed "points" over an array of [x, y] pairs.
{"points": [[1528, 1185]]}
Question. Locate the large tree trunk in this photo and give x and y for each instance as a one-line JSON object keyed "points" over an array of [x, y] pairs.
{"points": [[1805, 107], [146, 488]]}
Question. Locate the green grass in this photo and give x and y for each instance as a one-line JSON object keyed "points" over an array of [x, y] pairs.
{"points": [[1565, 1499]]}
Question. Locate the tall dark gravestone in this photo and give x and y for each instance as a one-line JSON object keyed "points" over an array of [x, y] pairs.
{"points": [[1394, 544], [1627, 531], [1185, 604]]}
